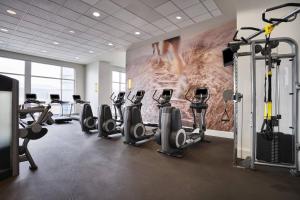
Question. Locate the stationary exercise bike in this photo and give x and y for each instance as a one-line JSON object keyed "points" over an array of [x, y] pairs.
{"points": [[173, 137], [109, 126], [134, 129]]}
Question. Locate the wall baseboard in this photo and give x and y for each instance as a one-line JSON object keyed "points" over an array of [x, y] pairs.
{"points": [[222, 134]]}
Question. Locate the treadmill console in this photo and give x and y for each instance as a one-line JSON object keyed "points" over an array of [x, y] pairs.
{"points": [[76, 97], [121, 95], [167, 94], [29, 96], [54, 97], [201, 93]]}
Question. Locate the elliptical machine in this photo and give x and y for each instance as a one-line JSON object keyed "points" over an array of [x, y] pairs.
{"points": [[108, 125], [134, 129], [173, 137]]}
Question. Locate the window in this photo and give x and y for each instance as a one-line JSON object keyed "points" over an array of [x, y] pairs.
{"points": [[118, 82], [14, 69], [50, 79]]}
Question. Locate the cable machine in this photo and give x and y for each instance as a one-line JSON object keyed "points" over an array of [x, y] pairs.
{"points": [[270, 146]]}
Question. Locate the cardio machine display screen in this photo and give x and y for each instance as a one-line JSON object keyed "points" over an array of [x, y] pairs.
{"points": [[201, 91], [121, 94], [166, 93], [54, 96], [31, 96], [76, 97], [227, 57]]}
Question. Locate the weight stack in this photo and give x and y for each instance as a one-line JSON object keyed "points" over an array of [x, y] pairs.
{"points": [[278, 150]]}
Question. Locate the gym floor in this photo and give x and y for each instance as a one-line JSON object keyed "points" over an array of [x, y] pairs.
{"points": [[73, 165]]}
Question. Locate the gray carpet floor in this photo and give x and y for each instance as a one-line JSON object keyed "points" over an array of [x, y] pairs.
{"points": [[73, 165]]}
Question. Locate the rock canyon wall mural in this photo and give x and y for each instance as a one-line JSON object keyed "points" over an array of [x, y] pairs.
{"points": [[180, 63]]}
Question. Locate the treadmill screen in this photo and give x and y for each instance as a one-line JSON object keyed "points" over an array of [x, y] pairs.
{"points": [[54, 96], [166, 93], [121, 95], [76, 97], [31, 96], [201, 91], [227, 57], [140, 93]]}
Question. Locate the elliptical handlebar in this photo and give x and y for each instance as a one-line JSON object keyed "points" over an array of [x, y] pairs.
{"points": [[186, 96], [156, 99], [130, 99], [291, 17]]}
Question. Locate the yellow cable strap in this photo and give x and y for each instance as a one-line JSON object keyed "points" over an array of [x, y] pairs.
{"points": [[268, 29], [266, 111], [269, 110]]}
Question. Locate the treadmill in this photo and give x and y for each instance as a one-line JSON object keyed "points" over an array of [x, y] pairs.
{"points": [[76, 100], [59, 119]]}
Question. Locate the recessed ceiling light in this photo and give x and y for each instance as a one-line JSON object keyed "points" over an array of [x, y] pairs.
{"points": [[4, 29], [77, 58], [1, 42], [110, 44], [71, 31], [178, 17], [44, 51], [96, 14], [137, 33], [91, 51], [56, 43], [11, 12]]}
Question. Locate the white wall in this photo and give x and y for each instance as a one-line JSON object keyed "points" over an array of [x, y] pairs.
{"points": [[115, 58], [79, 69], [249, 14], [99, 83], [92, 84]]}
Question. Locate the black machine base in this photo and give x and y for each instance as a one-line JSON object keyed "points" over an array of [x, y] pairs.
{"points": [[278, 150], [177, 154]]}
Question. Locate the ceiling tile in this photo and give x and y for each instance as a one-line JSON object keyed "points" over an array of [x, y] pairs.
{"points": [[60, 2], [149, 28], [167, 8], [9, 19], [144, 12], [185, 23], [67, 13], [185, 3], [45, 4], [77, 26], [210, 4], [77, 5], [124, 15], [90, 2], [216, 12], [202, 18], [162, 23], [154, 3], [124, 3], [87, 21], [170, 28], [158, 32], [90, 12], [196, 10], [16, 4], [107, 6], [173, 18]]}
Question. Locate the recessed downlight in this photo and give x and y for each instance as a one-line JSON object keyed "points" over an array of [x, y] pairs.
{"points": [[91, 51], [11, 12], [44, 51], [1, 42], [178, 17], [56, 43], [96, 14], [4, 29], [77, 58], [137, 33], [71, 31], [110, 44]]}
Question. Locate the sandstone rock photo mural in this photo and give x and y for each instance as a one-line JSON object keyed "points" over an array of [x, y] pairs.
{"points": [[180, 63]]}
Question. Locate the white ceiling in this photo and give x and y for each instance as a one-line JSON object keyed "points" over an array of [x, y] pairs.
{"points": [[39, 23]]}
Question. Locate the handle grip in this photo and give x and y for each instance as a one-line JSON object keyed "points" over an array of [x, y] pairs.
{"points": [[289, 18]]}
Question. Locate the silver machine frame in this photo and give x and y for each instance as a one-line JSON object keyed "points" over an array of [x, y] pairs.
{"points": [[294, 58]]}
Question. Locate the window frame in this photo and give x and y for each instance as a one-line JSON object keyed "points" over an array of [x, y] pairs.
{"points": [[118, 82]]}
